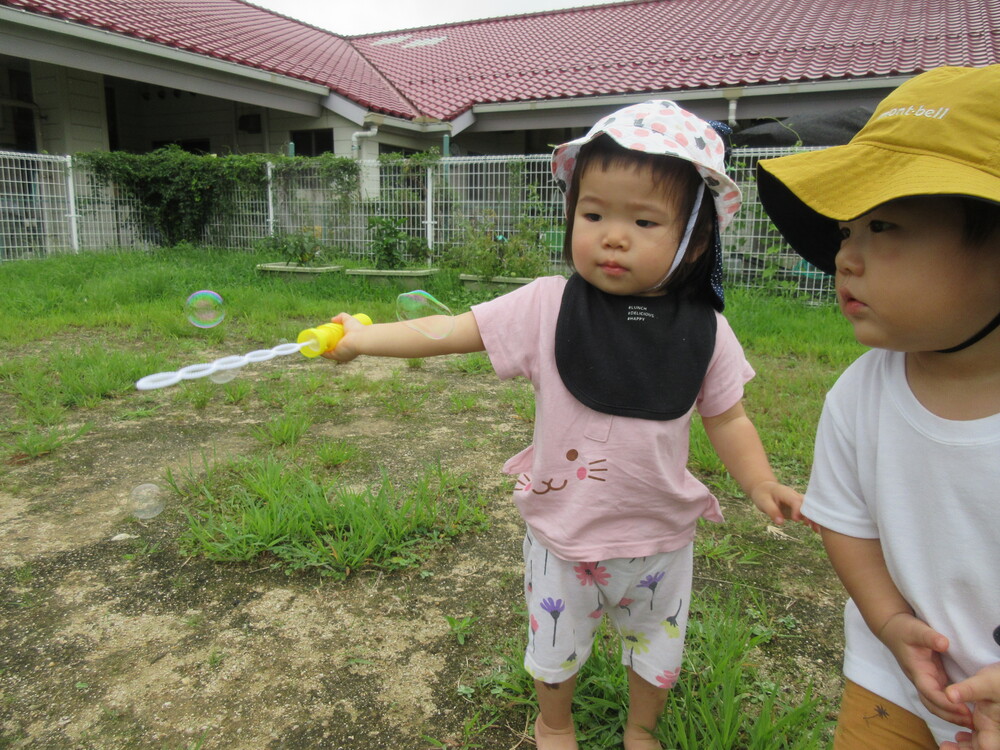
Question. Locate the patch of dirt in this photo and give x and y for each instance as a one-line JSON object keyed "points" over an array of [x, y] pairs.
{"points": [[128, 644]]}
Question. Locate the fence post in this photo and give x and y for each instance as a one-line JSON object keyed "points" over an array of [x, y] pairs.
{"points": [[429, 211], [270, 199], [74, 239]]}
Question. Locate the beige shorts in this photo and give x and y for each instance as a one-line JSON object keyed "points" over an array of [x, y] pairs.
{"points": [[869, 722]]}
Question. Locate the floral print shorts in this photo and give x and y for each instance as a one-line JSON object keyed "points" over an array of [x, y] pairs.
{"points": [[646, 599]]}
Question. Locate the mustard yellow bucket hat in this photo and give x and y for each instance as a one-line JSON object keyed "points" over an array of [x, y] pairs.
{"points": [[937, 134]]}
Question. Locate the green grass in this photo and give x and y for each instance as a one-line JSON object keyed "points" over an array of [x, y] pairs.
{"points": [[797, 351], [721, 700], [80, 330], [251, 509], [31, 442], [139, 297], [286, 429]]}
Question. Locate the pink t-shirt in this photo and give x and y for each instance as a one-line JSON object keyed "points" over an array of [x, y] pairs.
{"points": [[594, 486]]}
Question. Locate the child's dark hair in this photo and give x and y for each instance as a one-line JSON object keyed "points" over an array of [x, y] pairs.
{"points": [[680, 182], [982, 221]]}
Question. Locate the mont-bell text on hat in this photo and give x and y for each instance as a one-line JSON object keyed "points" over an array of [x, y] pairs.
{"points": [[919, 110]]}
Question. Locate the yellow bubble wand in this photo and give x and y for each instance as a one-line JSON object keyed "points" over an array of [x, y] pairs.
{"points": [[312, 342], [324, 338], [417, 309]]}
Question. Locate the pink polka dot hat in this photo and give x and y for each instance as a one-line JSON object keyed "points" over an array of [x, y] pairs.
{"points": [[661, 127]]}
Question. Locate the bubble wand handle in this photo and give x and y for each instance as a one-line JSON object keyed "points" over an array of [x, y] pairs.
{"points": [[324, 338]]}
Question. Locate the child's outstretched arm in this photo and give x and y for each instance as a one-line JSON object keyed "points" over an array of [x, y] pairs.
{"points": [[738, 445], [400, 340], [916, 645], [982, 690]]}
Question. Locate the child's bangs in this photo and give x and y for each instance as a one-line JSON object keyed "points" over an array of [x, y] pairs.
{"points": [[675, 178]]}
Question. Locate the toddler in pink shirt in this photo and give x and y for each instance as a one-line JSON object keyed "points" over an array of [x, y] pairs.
{"points": [[620, 356]]}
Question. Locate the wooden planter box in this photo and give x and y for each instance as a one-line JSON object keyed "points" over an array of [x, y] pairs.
{"points": [[505, 283], [294, 271]]}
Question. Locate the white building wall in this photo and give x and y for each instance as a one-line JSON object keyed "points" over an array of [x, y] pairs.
{"points": [[281, 125], [72, 107], [75, 116]]}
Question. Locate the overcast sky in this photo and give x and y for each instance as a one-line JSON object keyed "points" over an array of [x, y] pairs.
{"points": [[367, 16]]}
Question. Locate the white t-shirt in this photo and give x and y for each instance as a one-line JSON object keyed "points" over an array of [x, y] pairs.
{"points": [[929, 488], [593, 486]]}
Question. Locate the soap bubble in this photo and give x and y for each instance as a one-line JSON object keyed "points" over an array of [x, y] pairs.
{"points": [[226, 368], [205, 309], [222, 376], [425, 314], [146, 501], [223, 369]]}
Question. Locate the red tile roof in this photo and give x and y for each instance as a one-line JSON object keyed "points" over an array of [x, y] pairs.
{"points": [[238, 32], [648, 45], [680, 44]]}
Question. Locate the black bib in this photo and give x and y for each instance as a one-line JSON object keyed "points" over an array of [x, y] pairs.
{"points": [[642, 357]]}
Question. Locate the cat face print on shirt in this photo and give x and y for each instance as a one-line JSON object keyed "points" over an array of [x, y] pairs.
{"points": [[578, 469]]}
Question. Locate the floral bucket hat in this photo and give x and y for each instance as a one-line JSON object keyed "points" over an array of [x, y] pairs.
{"points": [[661, 127]]}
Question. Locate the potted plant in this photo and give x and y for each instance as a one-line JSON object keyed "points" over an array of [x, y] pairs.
{"points": [[497, 259], [302, 252], [393, 248]]}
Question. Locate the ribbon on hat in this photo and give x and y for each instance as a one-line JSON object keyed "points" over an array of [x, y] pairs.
{"points": [[683, 245]]}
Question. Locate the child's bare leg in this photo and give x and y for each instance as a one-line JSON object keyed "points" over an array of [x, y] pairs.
{"points": [[646, 704], [554, 728]]}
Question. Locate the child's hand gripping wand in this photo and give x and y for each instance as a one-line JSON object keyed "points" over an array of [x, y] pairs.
{"points": [[324, 338], [312, 342]]}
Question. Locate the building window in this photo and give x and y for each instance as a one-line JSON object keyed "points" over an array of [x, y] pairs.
{"points": [[312, 142], [19, 122], [111, 113]]}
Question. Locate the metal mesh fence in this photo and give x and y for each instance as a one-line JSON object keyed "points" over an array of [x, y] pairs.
{"points": [[104, 215], [490, 214], [509, 202], [252, 219], [35, 205], [755, 255]]}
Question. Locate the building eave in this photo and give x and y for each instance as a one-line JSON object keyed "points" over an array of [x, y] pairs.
{"points": [[758, 100], [51, 40]]}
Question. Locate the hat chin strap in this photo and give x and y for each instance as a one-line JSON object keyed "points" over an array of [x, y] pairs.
{"points": [[683, 246], [986, 331]]}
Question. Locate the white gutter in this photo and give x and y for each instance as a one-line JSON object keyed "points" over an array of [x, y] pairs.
{"points": [[733, 96], [357, 136]]}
